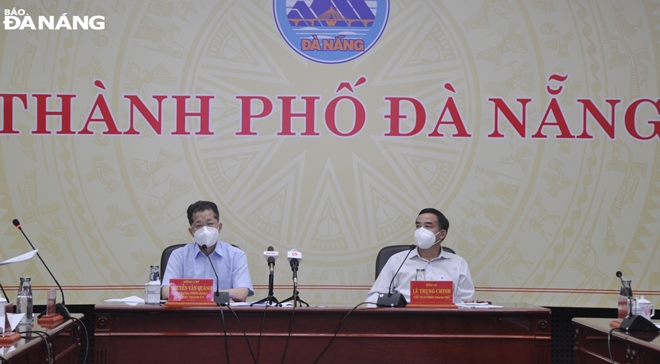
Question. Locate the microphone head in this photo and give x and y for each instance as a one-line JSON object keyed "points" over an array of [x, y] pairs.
{"points": [[270, 248], [293, 254], [619, 274], [270, 255], [16, 223], [203, 247]]}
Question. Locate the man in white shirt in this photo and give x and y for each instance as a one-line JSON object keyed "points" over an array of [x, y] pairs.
{"points": [[430, 230]]}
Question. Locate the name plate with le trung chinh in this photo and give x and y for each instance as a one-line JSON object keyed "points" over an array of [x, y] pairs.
{"points": [[431, 294]]}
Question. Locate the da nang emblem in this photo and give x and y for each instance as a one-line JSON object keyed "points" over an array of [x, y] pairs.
{"points": [[331, 31]]}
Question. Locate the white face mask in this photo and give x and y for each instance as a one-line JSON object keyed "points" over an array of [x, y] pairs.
{"points": [[425, 238], [206, 236]]}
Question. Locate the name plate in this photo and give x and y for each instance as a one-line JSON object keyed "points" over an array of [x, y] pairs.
{"points": [[431, 294], [191, 289]]}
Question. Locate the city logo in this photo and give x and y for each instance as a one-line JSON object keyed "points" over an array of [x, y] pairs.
{"points": [[331, 31]]}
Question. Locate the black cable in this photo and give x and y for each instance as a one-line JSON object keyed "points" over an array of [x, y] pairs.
{"points": [[2, 358], [47, 335], [261, 332], [337, 331], [609, 347], [244, 334], [86, 338], [41, 334], [288, 337], [224, 326], [4, 293], [50, 354]]}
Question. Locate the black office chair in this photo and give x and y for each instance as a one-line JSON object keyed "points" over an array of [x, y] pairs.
{"points": [[385, 254], [165, 256]]}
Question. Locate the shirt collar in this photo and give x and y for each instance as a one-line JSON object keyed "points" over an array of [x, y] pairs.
{"points": [[415, 254], [217, 249]]}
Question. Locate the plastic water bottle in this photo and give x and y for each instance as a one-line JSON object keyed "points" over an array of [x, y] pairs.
{"points": [[152, 288], [24, 300]]}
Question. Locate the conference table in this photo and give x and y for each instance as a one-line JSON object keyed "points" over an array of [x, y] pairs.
{"points": [[627, 347], [33, 348], [516, 333]]}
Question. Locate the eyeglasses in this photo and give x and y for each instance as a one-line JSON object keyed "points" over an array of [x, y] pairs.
{"points": [[200, 225]]}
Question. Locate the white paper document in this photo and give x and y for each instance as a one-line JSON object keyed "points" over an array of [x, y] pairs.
{"points": [[477, 305], [20, 258], [132, 300]]}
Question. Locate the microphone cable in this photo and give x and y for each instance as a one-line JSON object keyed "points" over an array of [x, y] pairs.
{"points": [[41, 334], [224, 326], [261, 332], [609, 347], [3, 292], [244, 334], [86, 337], [337, 330], [288, 337]]}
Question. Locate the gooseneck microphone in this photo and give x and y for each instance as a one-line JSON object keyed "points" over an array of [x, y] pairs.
{"points": [[627, 290], [620, 275], [394, 299], [217, 298], [60, 308]]}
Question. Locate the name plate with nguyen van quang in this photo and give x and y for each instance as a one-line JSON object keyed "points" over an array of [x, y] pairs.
{"points": [[186, 292], [431, 294]]}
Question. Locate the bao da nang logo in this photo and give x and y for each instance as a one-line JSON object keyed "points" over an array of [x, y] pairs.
{"points": [[331, 31], [19, 19]]}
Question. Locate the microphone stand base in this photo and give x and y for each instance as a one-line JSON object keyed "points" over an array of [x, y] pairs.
{"points": [[221, 298], [60, 309], [394, 300], [268, 300], [296, 300], [638, 323]]}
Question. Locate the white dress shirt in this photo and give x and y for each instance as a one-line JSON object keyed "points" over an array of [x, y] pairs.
{"points": [[230, 263], [446, 267]]}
